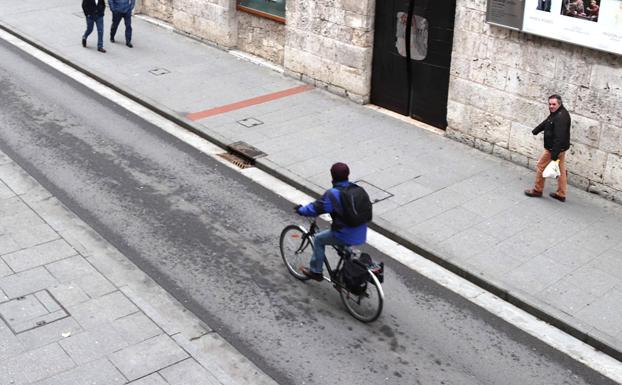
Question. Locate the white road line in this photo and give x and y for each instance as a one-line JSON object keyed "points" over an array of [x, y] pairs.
{"points": [[552, 336]]}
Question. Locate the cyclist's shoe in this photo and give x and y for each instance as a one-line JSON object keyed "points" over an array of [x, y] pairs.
{"points": [[310, 274]]}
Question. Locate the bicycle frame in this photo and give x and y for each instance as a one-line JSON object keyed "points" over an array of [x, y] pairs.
{"points": [[344, 253]]}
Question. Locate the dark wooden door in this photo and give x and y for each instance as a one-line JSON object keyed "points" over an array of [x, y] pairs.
{"points": [[412, 55]]}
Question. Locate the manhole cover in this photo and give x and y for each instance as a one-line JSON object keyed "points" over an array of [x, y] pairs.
{"points": [[376, 194], [250, 122], [31, 311], [159, 71]]}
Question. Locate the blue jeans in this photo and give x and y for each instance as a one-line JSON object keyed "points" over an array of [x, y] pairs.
{"points": [[99, 22], [116, 19], [322, 239]]}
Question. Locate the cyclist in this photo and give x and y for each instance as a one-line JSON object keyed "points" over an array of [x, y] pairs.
{"points": [[339, 233]]}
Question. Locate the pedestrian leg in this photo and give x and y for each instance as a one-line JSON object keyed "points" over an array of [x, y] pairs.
{"points": [[127, 18], [99, 22], [544, 160], [116, 19], [89, 29], [562, 181]]}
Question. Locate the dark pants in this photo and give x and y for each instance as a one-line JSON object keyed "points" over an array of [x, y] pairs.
{"points": [[99, 22], [116, 19]]}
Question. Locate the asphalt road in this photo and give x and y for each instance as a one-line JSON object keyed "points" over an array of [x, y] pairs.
{"points": [[210, 237]]}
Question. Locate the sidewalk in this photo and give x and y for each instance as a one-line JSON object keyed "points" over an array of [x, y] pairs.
{"points": [[73, 310], [452, 203]]}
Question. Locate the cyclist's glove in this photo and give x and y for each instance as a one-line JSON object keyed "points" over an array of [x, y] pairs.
{"points": [[296, 208]]}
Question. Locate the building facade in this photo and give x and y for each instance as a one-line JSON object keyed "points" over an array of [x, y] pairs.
{"points": [[488, 84]]}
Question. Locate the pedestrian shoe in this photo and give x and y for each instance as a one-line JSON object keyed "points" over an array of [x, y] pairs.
{"points": [[558, 197], [111, 39], [129, 45], [533, 193], [83, 42], [101, 50], [309, 274]]}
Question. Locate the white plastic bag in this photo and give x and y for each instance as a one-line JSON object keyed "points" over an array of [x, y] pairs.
{"points": [[551, 170]]}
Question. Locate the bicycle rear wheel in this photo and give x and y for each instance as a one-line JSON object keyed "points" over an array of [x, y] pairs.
{"points": [[296, 250], [367, 306]]}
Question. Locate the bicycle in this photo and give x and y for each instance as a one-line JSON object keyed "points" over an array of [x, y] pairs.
{"points": [[296, 244]]}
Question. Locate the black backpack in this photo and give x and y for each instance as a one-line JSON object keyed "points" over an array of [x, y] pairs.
{"points": [[356, 205]]}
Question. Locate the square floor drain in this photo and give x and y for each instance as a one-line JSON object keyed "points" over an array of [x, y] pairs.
{"points": [[159, 71], [375, 194], [31, 311], [250, 122]]}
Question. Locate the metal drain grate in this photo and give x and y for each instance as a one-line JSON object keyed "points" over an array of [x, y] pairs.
{"points": [[238, 161]]}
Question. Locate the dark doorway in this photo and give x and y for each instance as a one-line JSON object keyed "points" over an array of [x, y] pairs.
{"points": [[412, 55]]}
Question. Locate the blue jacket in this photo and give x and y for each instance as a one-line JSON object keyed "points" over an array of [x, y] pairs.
{"points": [[330, 203], [121, 6]]}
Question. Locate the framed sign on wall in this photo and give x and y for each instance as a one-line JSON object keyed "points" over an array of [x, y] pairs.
{"points": [[591, 23]]}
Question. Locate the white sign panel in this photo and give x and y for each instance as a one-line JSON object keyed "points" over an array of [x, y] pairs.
{"points": [[591, 23]]}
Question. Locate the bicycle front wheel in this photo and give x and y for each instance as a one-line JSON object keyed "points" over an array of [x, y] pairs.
{"points": [[367, 306], [296, 250]]}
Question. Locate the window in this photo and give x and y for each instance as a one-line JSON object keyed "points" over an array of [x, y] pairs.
{"points": [[271, 9]]}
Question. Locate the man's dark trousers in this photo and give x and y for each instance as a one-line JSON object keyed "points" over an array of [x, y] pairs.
{"points": [[116, 20]]}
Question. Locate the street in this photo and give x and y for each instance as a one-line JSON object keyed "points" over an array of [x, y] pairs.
{"points": [[210, 237]]}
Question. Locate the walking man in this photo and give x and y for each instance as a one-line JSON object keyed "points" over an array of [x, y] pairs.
{"points": [[94, 13], [556, 129], [122, 9]]}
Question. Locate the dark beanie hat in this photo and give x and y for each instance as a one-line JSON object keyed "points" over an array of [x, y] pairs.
{"points": [[340, 172]]}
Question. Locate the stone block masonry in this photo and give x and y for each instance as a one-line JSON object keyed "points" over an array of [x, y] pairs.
{"points": [[500, 80]]}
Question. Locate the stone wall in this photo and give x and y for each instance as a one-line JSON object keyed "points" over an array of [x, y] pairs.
{"points": [[262, 37], [500, 81], [330, 43], [211, 20]]}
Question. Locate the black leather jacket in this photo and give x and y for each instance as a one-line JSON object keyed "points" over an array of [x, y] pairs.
{"points": [[556, 129], [94, 8]]}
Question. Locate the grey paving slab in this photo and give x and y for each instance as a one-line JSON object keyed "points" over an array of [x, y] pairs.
{"points": [[38, 255], [109, 307], [47, 334], [135, 328], [27, 237], [609, 262], [81, 273], [7, 244], [604, 313], [5, 192], [579, 289], [147, 357], [152, 379], [100, 372], [408, 191], [45, 362], [465, 244], [570, 255], [188, 372], [10, 345], [16, 178], [537, 274], [5, 269], [27, 282], [68, 294], [93, 344]]}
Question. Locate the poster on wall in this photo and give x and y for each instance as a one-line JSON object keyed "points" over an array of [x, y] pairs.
{"points": [[591, 23]]}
